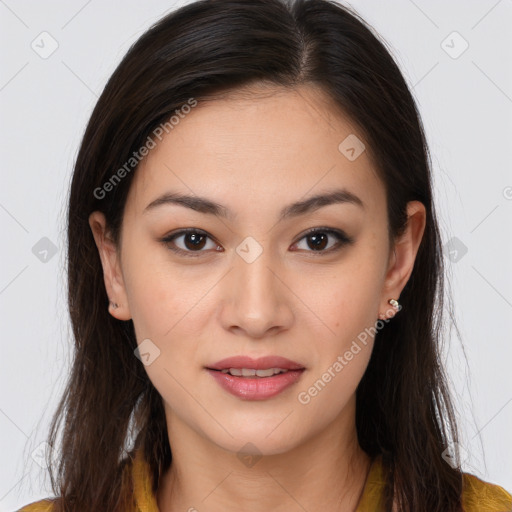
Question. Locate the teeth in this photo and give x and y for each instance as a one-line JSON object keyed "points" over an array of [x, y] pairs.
{"points": [[250, 372]]}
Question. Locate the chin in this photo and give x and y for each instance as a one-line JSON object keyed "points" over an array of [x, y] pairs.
{"points": [[256, 443]]}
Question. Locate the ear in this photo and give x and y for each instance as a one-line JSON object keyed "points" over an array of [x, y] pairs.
{"points": [[112, 273], [402, 256]]}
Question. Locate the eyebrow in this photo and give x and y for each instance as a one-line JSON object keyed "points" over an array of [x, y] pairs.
{"points": [[207, 206]]}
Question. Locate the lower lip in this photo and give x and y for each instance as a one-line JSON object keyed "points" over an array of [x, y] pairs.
{"points": [[256, 388]]}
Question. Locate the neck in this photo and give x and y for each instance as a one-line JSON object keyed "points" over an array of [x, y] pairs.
{"points": [[327, 472]]}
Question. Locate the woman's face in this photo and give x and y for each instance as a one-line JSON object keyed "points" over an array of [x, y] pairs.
{"points": [[250, 280]]}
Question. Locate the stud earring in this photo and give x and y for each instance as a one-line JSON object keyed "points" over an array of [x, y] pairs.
{"points": [[114, 305], [395, 305]]}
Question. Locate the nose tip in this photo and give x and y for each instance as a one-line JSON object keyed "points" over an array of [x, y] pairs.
{"points": [[257, 328], [258, 305]]}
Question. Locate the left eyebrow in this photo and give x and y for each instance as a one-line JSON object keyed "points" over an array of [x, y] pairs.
{"points": [[209, 207], [337, 196]]}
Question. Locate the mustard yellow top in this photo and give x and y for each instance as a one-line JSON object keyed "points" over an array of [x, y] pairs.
{"points": [[478, 496]]}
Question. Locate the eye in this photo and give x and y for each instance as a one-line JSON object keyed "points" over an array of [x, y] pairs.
{"points": [[317, 239], [194, 240]]}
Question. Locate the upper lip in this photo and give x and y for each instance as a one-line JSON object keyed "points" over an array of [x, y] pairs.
{"points": [[262, 363]]}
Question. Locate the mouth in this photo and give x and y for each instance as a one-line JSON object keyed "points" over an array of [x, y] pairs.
{"points": [[252, 372], [248, 365], [256, 379]]}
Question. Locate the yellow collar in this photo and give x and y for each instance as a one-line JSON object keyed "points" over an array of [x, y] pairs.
{"points": [[145, 499], [477, 495]]}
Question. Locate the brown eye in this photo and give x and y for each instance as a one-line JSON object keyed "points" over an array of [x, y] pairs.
{"points": [[192, 241], [317, 240]]}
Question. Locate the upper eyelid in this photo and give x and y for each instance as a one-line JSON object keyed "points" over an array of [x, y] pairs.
{"points": [[182, 232], [340, 234], [185, 231]]}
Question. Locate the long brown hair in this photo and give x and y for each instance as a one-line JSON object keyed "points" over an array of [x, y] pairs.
{"points": [[404, 412]]}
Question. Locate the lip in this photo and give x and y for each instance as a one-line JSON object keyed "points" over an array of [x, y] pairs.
{"points": [[262, 363], [256, 388]]}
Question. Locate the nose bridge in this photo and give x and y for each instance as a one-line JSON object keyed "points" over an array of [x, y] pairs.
{"points": [[258, 299], [256, 278], [257, 281]]}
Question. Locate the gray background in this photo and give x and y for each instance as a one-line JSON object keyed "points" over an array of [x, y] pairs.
{"points": [[466, 104]]}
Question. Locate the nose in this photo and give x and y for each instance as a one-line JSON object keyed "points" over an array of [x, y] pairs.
{"points": [[257, 301]]}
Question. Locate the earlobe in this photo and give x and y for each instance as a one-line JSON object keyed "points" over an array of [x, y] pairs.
{"points": [[112, 273], [405, 249]]}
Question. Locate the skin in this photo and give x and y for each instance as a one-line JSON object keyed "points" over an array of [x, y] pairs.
{"points": [[255, 153]]}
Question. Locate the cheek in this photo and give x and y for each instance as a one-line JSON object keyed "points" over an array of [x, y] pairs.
{"points": [[331, 390], [347, 298], [343, 351], [160, 293], [347, 302], [166, 310]]}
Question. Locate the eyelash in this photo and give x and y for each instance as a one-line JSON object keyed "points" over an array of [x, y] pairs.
{"points": [[343, 239]]}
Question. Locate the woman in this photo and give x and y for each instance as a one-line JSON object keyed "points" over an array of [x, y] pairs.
{"points": [[256, 278]]}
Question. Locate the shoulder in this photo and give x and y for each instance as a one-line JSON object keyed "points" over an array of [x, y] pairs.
{"points": [[480, 496], [45, 505], [135, 469]]}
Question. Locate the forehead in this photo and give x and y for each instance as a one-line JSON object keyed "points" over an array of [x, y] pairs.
{"points": [[258, 146]]}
